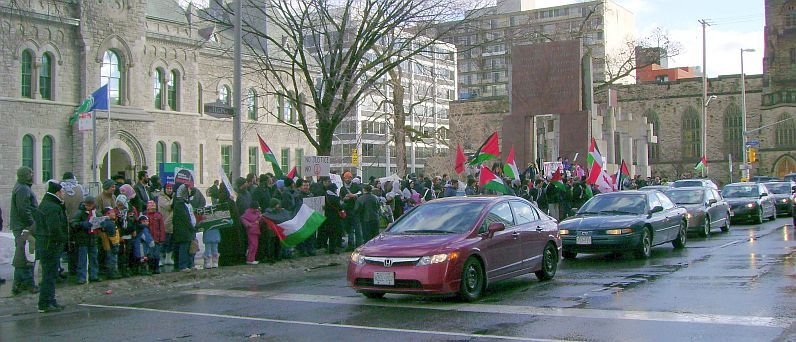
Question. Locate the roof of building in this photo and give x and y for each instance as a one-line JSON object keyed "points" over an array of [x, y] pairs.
{"points": [[166, 10]]}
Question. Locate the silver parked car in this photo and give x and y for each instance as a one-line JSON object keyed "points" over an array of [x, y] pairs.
{"points": [[706, 208]]}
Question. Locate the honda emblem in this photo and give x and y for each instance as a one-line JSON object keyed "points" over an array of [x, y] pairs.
{"points": [[387, 262]]}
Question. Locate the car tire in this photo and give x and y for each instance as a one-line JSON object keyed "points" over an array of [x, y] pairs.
{"points": [[644, 249], [549, 263], [472, 285], [569, 255], [373, 295], [726, 227], [705, 227], [760, 217], [682, 237]]}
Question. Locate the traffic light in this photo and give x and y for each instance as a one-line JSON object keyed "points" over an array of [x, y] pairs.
{"points": [[752, 155]]}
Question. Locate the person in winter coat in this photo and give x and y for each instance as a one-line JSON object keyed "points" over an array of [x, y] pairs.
{"points": [[184, 227], [111, 245], [142, 245], [23, 204], [126, 221], [333, 225], [367, 208], [51, 236], [165, 202], [157, 227], [86, 239], [73, 197], [211, 238], [251, 221]]}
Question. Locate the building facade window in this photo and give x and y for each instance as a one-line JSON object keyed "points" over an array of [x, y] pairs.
{"points": [[111, 74], [733, 138], [226, 152], [251, 104], [253, 160], [171, 89], [201, 163], [175, 152], [27, 151], [160, 153], [692, 134], [46, 77], [27, 74], [224, 95], [157, 89], [46, 158], [299, 158], [786, 132], [285, 165]]}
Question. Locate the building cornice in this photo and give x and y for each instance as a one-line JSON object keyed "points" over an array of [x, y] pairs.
{"points": [[40, 16]]}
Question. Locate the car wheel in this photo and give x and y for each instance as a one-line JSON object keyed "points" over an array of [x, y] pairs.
{"points": [[569, 255], [680, 240], [373, 295], [706, 227], [726, 227], [645, 245], [760, 217], [472, 280], [549, 263]]}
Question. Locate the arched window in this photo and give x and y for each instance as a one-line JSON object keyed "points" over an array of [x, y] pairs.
{"points": [[692, 134], [251, 104], [27, 151], [46, 77], [733, 138], [157, 89], [224, 95], [160, 153], [111, 74], [653, 149], [786, 131], [172, 90], [46, 158], [175, 152], [200, 106], [27, 74]]}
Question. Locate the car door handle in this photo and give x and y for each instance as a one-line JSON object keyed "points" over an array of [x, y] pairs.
{"points": [[515, 234], [539, 228]]}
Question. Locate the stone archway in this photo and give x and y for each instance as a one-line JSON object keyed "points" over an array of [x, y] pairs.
{"points": [[120, 164], [127, 155], [784, 165]]}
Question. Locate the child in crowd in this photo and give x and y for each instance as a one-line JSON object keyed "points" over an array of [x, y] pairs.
{"points": [[85, 234], [273, 247], [142, 244], [211, 238], [126, 217], [251, 221], [157, 228], [111, 245]]}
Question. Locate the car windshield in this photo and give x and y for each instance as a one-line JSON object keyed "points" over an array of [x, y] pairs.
{"points": [[738, 191], [438, 218], [685, 196], [683, 184], [779, 188], [631, 204]]}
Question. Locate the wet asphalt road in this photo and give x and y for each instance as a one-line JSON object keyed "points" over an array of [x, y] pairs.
{"points": [[736, 286]]}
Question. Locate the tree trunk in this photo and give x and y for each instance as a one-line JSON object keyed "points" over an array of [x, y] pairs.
{"points": [[324, 138], [399, 122]]}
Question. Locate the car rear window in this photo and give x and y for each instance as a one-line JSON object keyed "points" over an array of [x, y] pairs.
{"points": [[685, 196], [438, 218], [740, 191], [779, 188], [683, 184]]}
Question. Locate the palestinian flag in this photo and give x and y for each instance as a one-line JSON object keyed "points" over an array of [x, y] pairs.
{"points": [[623, 174], [510, 169], [594, 161], [491, 181], [460, 160], [293, 173], [294, 229], [558, 180], [703, 163], [270, 157], [489, 150]]}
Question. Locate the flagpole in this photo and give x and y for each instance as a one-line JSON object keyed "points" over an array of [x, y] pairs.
{"points": [[94, 144], [109, 129]]}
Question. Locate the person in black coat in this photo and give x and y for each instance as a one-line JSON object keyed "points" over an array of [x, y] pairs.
{"points": [[184, 227], [51, 236], [367, 209], [86, 239], [332, 227]]}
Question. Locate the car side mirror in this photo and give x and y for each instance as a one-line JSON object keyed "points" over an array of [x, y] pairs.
{"points": [[495, 227], [763, 194], [793, 189], [712, 201], [656, 209]]}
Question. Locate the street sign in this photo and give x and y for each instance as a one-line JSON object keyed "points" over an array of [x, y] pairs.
{"points": [[85, 122], [315, 166], [752, 143], [219, 110], [354, 156]]}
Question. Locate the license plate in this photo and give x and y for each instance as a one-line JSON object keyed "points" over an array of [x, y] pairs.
{"points": [[384, 278], [583, 240]]}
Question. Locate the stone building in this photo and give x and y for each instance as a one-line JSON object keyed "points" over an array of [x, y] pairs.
{"points": [[161, 72]]}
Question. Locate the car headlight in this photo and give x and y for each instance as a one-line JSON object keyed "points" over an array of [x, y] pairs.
{"points": [[357, 258], [751, 205], [785, 200], [618, 231], [437, 258], [688, 216], [563, 231]]}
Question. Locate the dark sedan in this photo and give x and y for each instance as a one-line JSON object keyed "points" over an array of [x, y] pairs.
{"points": [[457, 245], [784, 197], [750, 201], [624, 221], [706, 208]]}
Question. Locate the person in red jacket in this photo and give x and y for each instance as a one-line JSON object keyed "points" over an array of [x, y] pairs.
{"points": [[251, 221], [157, 227]]}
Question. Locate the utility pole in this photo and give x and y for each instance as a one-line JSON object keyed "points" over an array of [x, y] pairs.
{"points": [[704, 23], [236, 91]]}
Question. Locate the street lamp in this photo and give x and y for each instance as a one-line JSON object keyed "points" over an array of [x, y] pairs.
{"points": [[745, 168]]}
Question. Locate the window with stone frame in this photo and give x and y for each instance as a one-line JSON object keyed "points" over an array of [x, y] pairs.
{"points": [[200, 106], [176, 154], [160, 153], [172, 87], [157, 88], [26, 74], [692, 134], [46, 77], [733, 131], [786, 132], [251, 104], [47, 158], [253, 160], [285, 165], [112, 75], [299, 159], [226, 152], [653, 149], [27, 151], [225, 95]]}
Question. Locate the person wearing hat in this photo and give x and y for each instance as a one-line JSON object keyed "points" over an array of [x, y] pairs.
{"points": [[118, 181], [107, 198], [332, 226], [73, 197], [23, 205], [51, 237], [87, 239], [164, 208]]}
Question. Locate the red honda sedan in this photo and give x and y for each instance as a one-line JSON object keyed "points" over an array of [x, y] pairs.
{"points": [[457, 245]]}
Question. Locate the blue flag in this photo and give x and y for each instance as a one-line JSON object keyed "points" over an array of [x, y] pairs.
{"points": [[100, 99]]}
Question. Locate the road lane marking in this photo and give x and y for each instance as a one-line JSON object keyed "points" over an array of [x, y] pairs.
{"points": [[319, 324], [661, 316]]}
